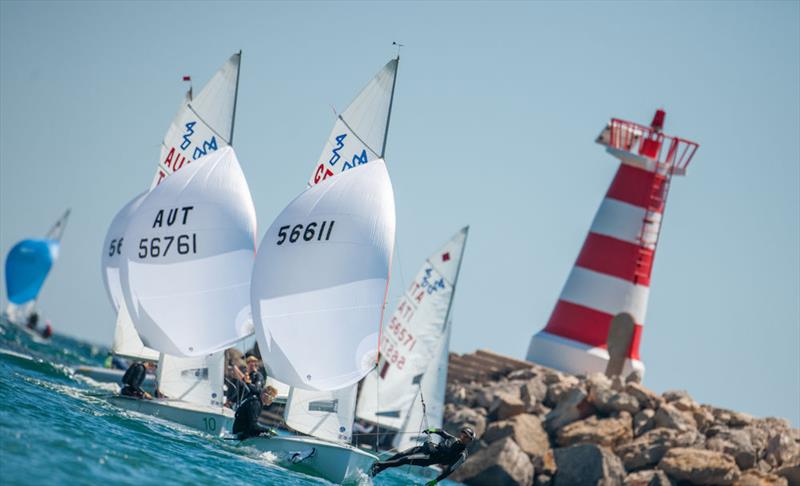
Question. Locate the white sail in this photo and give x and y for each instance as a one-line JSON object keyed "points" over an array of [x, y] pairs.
{"points": [[197, 380], [320, 280], [126, 341], [188, 258], [359, 134], [203, 124], [427, 408], [411, 340], [324, 414]]}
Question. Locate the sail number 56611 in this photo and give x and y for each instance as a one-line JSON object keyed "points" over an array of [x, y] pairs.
{"points": [[292, 234]]}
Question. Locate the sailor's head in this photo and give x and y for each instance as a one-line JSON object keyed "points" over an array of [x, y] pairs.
{"points": [[467, 435], [268, 394], [150, 366], [252, 363]]}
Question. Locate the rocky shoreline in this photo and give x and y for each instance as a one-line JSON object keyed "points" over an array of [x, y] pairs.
{"points": [[541, 427]]}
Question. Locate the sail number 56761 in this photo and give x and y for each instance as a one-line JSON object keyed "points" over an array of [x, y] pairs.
{"points": [[160, 246], [311, 231]]}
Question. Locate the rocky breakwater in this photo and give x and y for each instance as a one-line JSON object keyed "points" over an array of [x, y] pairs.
{"points": [[537, 426]]}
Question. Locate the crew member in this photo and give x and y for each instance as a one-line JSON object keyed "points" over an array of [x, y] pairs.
{"points": [[132, 381], [450, 453], [245, 423]]}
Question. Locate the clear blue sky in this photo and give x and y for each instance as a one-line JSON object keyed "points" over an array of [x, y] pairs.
{"points": [[496, 110]]}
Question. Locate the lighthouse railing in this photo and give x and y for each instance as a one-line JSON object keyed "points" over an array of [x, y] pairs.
{"points": [[668, 152]]}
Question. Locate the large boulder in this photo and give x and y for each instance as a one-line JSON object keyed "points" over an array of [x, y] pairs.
{"points": [[755, 477], [505, 405], [735, 442], [558, 389], [464, 417], [643, 422], [502, 463], [533, 392], [697, 466], [608, 432], [573, 406], [647, 450], [644, 396], [527, 432], [587, 464], [782, 448], [670, 417], [650, 477]]}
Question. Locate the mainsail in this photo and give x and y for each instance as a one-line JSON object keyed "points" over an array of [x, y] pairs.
{"points": [[359, 134], [320, 280], [413, 363], [27, 266], [203, 123], [188, 258]]}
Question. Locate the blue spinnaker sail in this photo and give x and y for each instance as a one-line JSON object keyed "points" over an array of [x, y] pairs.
{"points": [[27, 266]]}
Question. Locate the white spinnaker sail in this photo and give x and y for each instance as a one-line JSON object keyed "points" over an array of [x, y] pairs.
{"points": [[188, 258], [320, 279], [411, 339], [197, 380], [324, 414], [359, 134], [427, 408], [203, 124]]}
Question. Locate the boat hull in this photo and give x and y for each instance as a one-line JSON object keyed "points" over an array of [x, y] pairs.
{"points": [[337, 463], [216, 421]]}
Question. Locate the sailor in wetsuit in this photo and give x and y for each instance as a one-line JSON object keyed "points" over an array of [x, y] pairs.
{"points": [[245, 423], [451, 452], [132, 381]]}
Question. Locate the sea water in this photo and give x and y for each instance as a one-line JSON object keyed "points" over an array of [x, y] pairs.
{"points": [[56, 429]]}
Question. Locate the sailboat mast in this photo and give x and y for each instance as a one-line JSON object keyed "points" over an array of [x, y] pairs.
{"points": [[389, 115], [236, 95]]}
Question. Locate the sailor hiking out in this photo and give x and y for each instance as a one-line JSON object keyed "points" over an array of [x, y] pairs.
{"points": [[450, 453]]}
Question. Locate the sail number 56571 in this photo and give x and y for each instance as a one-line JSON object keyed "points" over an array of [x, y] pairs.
{"points": [[311, 231]]}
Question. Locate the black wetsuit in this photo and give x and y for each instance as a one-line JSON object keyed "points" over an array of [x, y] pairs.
{"points": [[132, 381], [450, 453], [245, 423]]}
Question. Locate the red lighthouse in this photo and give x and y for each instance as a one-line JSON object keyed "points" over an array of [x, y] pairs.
{"points": [[612, 273]]}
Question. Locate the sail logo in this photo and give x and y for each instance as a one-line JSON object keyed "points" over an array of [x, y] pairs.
{"points": [[187, 137], [428, 284], [357, 159]]}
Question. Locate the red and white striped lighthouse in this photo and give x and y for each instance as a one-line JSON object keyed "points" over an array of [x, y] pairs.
{"points": [[612, 273]]}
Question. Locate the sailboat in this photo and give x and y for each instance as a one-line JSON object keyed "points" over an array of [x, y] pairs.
{"points": [[405, 393], [27, 266], [318, 330], [203, 125], [186, 285]]}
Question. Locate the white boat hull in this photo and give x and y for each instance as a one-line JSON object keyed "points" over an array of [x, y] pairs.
{"points": [[338, 463], [109, 375], [216, 421]]}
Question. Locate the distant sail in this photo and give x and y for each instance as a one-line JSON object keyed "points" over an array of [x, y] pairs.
{"points": [[320, 280], [203, 124], [27, 266], [359, 134], [323, 414], [29, 262], [412, 342], [188, 257]]}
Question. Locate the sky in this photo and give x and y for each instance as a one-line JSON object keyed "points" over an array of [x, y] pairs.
{"points": [[495, 114]]}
